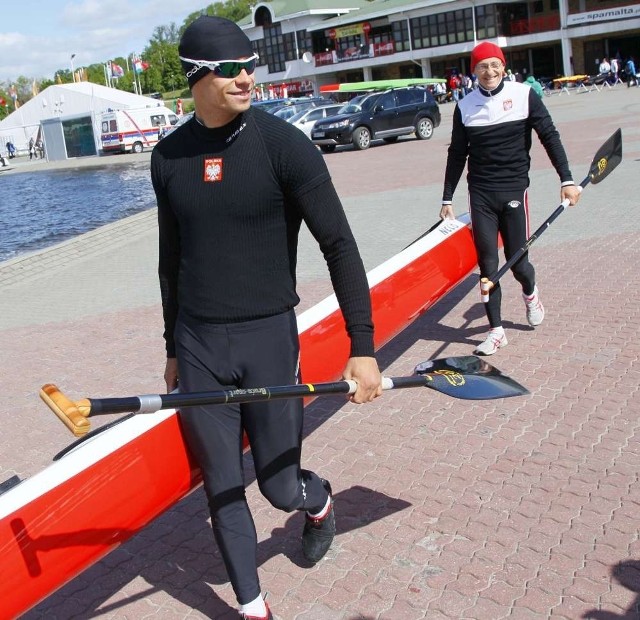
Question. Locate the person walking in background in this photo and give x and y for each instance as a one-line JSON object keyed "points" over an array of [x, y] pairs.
{"points": [[535, 85], [32, 149], [11, 150], [630, 70], [40, 147], [492, 131], [615, 70], [233, 186]]}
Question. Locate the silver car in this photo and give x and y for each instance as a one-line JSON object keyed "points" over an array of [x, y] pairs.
{"points": [[306, 119]]}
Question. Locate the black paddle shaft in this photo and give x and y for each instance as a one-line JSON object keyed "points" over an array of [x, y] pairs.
{"points": [[467, 378], [607, 158]]}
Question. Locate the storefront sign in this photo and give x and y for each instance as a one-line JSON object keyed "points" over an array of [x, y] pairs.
{"points": [[350, 31], [621, 12]]}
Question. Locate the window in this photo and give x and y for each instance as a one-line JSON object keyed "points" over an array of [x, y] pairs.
{"points": [[274, 48], [400, 34], [386, 102], [158, 119], [314, 115], [442, 29], [409, 96]]}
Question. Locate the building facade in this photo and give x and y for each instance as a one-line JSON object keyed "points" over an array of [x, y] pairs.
{"points": [[303, 47]]}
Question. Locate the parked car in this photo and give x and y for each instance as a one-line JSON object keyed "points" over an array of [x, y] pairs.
{"points": [[306, 119], [270, 105], [185, 118], [380, 115]]}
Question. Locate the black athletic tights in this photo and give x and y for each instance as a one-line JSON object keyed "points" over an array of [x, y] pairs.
{"points": [[507, 213], [242, 355]]}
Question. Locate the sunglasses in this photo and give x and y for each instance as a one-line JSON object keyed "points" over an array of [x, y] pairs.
{"points": [[223, 68]]}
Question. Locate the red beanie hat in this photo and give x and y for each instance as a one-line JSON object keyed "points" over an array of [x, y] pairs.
{"points": [[485, 50]]}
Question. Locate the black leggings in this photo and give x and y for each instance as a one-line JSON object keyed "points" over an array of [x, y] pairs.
{"points": [[258, 353], [507, 213]]}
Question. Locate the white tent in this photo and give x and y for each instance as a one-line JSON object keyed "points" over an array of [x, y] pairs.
{"points": [[62, 100]]}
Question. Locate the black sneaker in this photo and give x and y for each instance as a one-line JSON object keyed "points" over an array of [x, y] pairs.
{"points": [[318, 534]]}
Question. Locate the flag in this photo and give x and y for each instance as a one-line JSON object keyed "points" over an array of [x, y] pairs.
{"points": [[140, 65], [116, 70]]}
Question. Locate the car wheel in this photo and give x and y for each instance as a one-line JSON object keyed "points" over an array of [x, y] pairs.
{"points": [[327, 148], [424, 128], [361, 138], [137, 147], [391, 140]]}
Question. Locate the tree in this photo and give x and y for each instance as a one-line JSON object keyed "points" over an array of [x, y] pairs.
{"points": [[234, 10]]}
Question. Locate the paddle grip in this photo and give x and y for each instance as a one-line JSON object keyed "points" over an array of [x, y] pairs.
{"points": [[485, 286], [72, 414]]}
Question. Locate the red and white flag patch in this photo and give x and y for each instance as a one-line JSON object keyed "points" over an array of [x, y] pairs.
{"points": [[213, 169], [507, 104]]}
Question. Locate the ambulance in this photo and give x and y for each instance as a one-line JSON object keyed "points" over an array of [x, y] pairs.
{"points": [[135, 129]]}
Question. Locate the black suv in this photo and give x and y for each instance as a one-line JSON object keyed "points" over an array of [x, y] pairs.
{"points": [[386, 115]]}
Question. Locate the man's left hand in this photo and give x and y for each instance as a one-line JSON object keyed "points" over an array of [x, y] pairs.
{"points": [[364, 371]]}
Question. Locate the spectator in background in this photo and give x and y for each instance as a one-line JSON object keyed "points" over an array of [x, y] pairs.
{"points": [[11, 150], [615, 69], [605, 67], [630, 70], [533, 83], [32, 148]]}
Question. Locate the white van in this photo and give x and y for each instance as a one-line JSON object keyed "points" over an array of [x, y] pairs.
{"points": [[133, 130]]}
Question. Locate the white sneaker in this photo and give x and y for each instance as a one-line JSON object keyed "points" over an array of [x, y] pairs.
{"points": [[495, 340], [535, 309]]}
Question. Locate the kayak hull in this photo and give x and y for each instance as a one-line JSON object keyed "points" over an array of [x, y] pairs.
{"points": [[67, 517]]}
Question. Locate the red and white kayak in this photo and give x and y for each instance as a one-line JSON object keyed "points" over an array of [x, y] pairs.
{"points": [[62, 520]]}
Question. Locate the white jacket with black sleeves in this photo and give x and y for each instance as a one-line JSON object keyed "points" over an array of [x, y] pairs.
{"points": [[492, 130]]}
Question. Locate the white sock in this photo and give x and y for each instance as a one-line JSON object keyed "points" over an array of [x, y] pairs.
{"points": [[532, 296], [498, 331], [255, 608], [323, 512]]}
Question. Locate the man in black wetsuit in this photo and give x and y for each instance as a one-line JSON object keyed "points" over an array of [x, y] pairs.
{"points": [[492, 129], [233, 186]]}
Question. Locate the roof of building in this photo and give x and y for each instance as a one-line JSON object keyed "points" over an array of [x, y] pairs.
{"points": [[286, 9]]}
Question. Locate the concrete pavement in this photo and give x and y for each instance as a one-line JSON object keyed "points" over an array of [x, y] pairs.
{"points": [[525, 508]]}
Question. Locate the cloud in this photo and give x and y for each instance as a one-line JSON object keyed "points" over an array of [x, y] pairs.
{"points": [[96, 31]]}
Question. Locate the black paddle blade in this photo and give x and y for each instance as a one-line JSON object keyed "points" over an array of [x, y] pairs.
{"points": [[469, 378], [609, 155]]}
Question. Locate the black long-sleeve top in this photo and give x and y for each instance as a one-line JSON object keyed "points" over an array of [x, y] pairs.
{"points": [[231, 201], [492, 129]]}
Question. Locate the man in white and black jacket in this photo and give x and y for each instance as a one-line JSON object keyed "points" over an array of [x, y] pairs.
{"points": [[492, 132]]}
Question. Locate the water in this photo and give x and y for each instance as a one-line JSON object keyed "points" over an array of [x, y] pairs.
{"points": [[42, 208]]}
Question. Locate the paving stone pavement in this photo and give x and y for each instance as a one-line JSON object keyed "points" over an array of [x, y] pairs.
{"points": [[522, 508]]}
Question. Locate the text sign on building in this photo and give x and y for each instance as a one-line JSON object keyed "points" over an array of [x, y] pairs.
{"points": [[591, 17], [350, 31]]}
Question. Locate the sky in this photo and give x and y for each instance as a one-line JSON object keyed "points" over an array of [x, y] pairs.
{"points": [[38, 37]]}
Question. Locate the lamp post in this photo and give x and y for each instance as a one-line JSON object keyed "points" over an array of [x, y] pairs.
{"points": [[73, 74]]}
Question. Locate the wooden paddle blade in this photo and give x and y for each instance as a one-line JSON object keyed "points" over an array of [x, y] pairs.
{"points": [[607, 158], [72, 415], [469, 378]]}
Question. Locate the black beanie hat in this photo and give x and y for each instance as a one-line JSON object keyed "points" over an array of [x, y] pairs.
{"points": [[211, 38]]}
